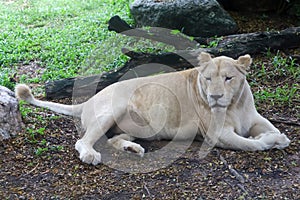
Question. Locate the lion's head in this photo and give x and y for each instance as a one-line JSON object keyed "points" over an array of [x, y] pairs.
{"points": [[221, 79]]}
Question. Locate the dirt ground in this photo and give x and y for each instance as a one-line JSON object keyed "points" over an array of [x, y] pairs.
{"points": [[55, 172]]}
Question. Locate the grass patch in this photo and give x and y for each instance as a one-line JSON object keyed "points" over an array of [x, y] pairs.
{"points": [[64, 38], [58, 34], [281, 95], [275, 81]]}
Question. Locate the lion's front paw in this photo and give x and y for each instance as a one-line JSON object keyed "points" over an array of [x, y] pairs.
{"points": [[87, 154], [274, 140], [90, 157], [282, 141]]}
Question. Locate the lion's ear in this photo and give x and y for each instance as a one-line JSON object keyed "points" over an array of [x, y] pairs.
{"points": [[204, 57], [245, 60]]}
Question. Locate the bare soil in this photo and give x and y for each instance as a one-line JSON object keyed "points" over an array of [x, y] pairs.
{"points": [[57, 173]]}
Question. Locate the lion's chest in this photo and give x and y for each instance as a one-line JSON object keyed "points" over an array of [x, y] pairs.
{"points": [[239, 121]]}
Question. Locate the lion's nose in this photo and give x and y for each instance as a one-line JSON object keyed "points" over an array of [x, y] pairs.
{"points": [[216, 96]]}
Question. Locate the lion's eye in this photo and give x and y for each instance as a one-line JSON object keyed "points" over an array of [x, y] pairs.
{"points": [[228, 78], [208, 78]]}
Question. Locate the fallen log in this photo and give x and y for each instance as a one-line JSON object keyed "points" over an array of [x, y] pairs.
{"points": [[253, 43], [232, 46]]}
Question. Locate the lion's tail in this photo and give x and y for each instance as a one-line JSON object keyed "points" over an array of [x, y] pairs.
{"points": [[23, 92]]}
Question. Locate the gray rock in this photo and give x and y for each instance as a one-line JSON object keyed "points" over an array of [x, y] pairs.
{"points": [[193, 17], [10, 117]]}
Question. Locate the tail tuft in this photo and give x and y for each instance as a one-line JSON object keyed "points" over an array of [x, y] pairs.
{"points": [[23, 92]]}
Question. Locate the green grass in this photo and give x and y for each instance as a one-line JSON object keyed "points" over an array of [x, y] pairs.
{"points": [[281, 95], [59, 35], [64, 38], [277, 81]]}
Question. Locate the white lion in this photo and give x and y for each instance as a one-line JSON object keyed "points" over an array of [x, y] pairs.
{"points": [[214, 96]]}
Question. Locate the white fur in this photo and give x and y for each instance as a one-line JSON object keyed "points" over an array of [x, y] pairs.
{"points": [[174, 106]]}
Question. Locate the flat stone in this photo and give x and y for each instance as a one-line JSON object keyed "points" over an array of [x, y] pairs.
{"points": [[10, 116], [204, 18]]}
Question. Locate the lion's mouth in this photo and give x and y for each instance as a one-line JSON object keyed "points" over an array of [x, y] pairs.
{"points": [[216, 105]]}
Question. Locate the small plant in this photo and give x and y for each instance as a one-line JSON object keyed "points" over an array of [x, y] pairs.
{"points": [[35, 133], [5, 78], [31, 134], [180, 34], [45, 147], [213, 43], [40, 131], [57, 148], [24, 109], [39, 151], [285, 66]]}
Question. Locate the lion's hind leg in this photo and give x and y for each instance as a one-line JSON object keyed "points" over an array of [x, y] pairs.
{"points": [[124, 142]]}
